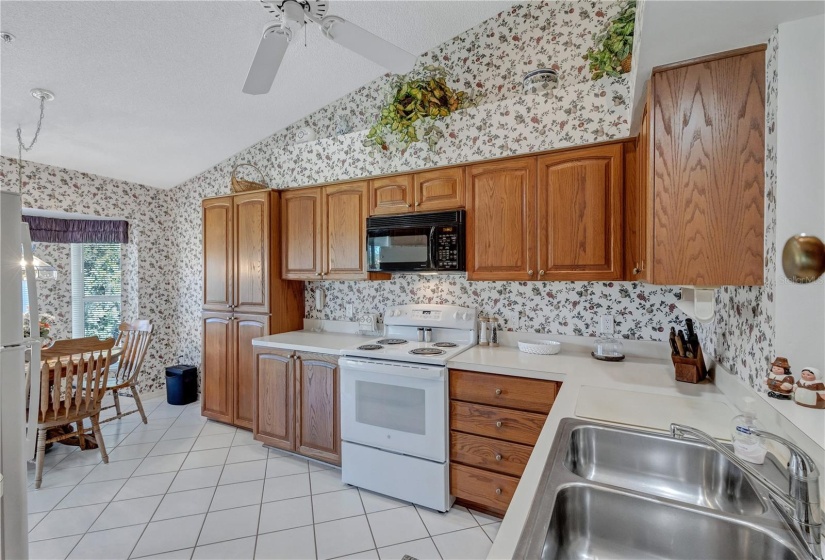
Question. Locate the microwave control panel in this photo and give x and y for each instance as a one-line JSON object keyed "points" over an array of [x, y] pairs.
{"points": [[446, 250]]}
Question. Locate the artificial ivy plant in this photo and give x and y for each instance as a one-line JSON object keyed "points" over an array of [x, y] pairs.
{"points": [[614, 46], [413, 99]]}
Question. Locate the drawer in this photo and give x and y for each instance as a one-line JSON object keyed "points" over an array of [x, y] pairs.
{"points": [[487, 453], [481, 487], [534, 395], [499, 423]]}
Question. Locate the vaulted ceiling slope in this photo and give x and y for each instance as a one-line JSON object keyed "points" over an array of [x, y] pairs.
{"points": [[150, 91]]}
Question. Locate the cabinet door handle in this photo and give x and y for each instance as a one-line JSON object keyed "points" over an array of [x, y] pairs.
{"points": [[418, 203], [498, 424], [498, 491], [498, 391], [319, 274], [529, 273], [636, 269], [409, 205], [498, 457], [541, 273]]}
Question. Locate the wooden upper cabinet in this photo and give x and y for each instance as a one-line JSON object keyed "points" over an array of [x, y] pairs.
{"points": [[441, 189], [251, 250], [245, 328], [391, 195], [301, 231], [638, 202], [708, 159], [345, 210], [217, 254], [274, 414], [580, 214], [217, 370], [318, 414], [501, 220]]}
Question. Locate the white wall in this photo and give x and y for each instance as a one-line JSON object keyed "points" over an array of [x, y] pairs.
{"points": [[800, 309]]}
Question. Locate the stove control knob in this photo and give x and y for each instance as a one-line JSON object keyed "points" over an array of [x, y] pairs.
{"points": [[465, 316]]}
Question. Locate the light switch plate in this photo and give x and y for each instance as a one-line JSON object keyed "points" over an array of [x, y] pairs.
{"points": [[349, 311], [513, 319]]}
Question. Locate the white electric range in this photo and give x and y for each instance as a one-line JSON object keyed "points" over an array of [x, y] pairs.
{"points": [[394, 403]]}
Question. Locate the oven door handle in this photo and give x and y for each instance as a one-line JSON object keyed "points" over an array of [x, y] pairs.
{"points": [[433, 249], [392, 368]]}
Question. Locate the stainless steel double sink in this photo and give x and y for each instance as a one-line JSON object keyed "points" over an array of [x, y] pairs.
{"points": [[618, 493]]}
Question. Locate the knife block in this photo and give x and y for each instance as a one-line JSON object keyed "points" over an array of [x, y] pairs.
{"points": [[689, 370]]}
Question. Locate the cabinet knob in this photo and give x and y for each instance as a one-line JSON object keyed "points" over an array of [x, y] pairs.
{"points": [[418, 204], [409, 205], [529, 273], [541, 273], [498, 457], [498, 391], [318, 274], [498, 424], [498, 491], [636, 269]]}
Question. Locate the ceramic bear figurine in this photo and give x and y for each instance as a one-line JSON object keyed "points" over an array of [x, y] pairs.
{"points": [[780, 381], [809, 390]]}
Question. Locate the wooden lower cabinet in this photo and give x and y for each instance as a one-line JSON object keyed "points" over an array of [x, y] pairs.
{"points": [[297, 405], [217, 371], [318, 408], [494, 422], [274, 379], [246, 328]]}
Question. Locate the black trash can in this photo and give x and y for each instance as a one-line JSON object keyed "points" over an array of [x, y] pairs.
{"points": [[181, 384]]}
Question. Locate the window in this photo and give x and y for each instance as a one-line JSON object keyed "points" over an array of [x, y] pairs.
{"points": [[95, 289]]}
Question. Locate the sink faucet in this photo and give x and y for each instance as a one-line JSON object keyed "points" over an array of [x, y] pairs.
{"points": [[799, 504]]}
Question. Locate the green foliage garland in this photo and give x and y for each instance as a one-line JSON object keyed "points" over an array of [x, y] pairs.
{"points": [[614, 45], [414, 98]]}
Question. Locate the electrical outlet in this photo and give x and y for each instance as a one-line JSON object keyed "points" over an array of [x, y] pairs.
{"points": [[350, 312], [606, 324], [513, 319]]}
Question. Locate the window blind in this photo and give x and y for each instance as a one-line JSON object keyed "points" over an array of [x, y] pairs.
{"points": [[96, 289]]}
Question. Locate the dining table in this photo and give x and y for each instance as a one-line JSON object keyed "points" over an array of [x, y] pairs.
{"points": [[87, 439]]}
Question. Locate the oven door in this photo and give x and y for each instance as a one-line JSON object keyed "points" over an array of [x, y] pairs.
{"points": [[407, 249], [395, 406]]}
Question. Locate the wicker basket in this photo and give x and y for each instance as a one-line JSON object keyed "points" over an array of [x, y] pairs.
{"points": [[546, 347], [242, 185], [626, 63]]}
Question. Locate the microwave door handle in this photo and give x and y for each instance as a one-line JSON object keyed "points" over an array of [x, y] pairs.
{"points": [[433, 250]]}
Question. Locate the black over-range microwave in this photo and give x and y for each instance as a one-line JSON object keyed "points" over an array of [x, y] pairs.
{"points": [[426, 242]]}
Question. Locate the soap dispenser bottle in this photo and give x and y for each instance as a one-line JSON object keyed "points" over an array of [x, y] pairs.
{"points": [[746, 445]]}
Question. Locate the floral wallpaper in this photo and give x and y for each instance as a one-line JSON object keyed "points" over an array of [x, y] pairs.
{"points": [[489, 59], [640, 311], [148, 289], [742, 335]]}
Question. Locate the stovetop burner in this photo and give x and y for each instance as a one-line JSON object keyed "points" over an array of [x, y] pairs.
{"points": [[370, 347], [427, 351], [391, 341], [445, 344]]}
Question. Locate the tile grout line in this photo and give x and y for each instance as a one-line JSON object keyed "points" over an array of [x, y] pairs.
{"points": [[367, 517], [206, 514], [312, 511], [261, 507]]}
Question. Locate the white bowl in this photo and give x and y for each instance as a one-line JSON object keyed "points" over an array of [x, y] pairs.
{"points": [[539, 346]]}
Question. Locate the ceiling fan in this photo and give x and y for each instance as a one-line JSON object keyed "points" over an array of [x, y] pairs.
{"points": [[291, 16]]}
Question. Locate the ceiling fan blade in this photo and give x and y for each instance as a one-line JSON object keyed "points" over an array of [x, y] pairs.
{"points": [[271, 49], [372, 47]]}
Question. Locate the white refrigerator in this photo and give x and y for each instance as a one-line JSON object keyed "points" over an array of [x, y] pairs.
{"points": [[17, 433]]}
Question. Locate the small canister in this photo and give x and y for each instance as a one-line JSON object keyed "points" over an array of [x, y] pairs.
{"points": [[483, 339], [494, 328], [428, 335], [420, 334]]}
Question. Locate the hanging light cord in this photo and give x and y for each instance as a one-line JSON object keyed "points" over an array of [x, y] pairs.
{"points": [[21, 146]]}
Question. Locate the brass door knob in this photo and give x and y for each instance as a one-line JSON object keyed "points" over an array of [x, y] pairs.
{"points": [[803, 258]]}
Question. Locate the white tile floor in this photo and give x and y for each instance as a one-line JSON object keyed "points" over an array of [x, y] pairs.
{"points": [[184, 488]]}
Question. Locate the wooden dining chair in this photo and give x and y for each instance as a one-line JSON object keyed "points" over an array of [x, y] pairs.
{"points": [[73, 377], [134, 338]]}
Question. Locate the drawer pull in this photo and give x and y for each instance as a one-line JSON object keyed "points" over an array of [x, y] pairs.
{"points": [[498, 391], [498, 457], [498, 491], [498, 424]]}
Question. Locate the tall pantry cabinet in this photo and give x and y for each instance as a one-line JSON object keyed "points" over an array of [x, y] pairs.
{"points": [[244, 297]]}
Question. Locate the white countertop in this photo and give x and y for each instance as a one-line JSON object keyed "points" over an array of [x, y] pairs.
{"points": [[311, 341], [645, 379]]}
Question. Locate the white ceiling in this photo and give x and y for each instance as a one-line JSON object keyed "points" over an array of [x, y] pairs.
{"points": [[675, 30], [150, 91]]}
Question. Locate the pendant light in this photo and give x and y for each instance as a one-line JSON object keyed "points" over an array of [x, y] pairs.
{"points": [[41, 268]]}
